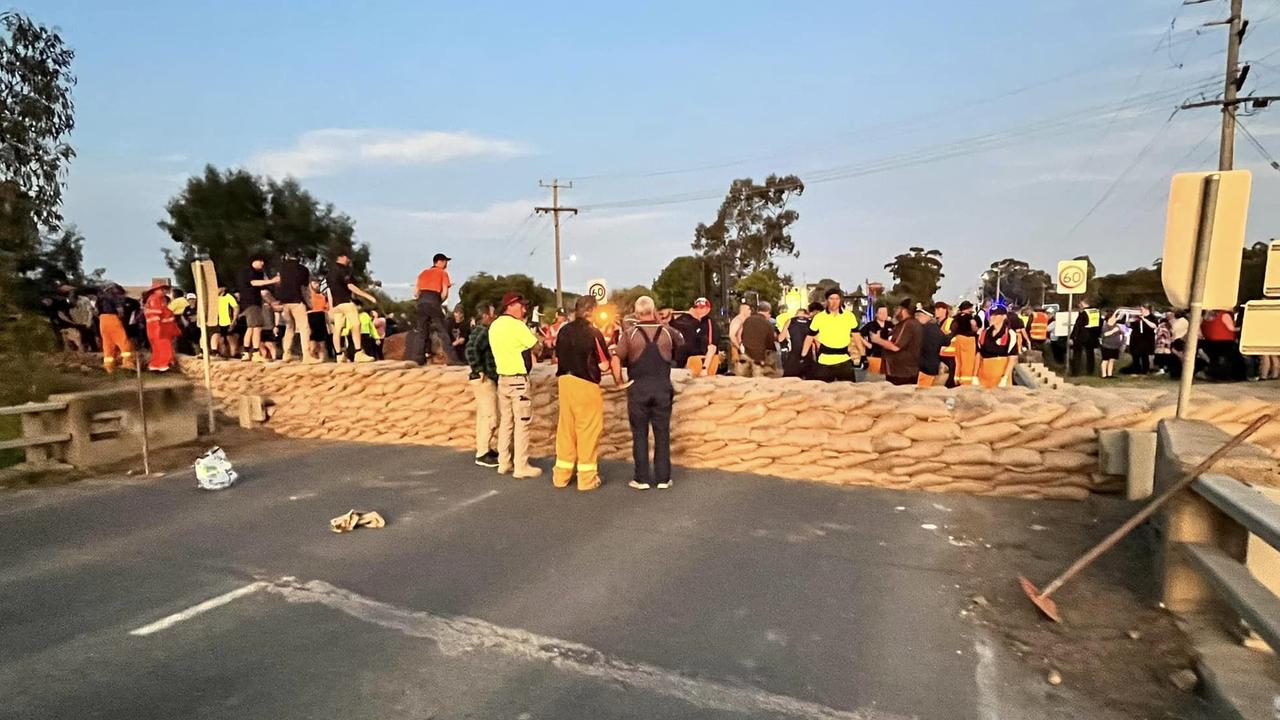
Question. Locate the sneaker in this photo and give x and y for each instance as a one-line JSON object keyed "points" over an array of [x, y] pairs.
{"points": [[639, 485], [664, 484], [489, 460], [361, 357], [258, 358], [343, 359]]}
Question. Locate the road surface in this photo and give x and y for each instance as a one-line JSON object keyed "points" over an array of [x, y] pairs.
{"points": [[729, 596]]}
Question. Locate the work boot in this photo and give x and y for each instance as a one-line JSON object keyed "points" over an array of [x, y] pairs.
{"points": [[589, 484], [561, 477], [527, 473]]}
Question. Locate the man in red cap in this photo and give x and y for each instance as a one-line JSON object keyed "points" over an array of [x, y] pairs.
{"points": [[699, 351], [432, 292], [512, 343]]}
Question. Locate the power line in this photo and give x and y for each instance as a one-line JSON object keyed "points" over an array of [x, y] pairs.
{"points": [[1120, 178], [1257, 145], [992, 140]]}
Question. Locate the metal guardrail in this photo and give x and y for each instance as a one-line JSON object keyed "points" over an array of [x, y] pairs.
{"points": [[1258, 514]]}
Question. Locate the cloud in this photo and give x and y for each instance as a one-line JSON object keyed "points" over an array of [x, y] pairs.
{"points": [[329, 151]]}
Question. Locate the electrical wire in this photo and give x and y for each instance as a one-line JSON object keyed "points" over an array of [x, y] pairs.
{"points": [[1106, 194], [1257, 145], [1138, 105]]}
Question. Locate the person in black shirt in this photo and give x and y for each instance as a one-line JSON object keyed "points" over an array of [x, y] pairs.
{"points": [[346, 316], [796, 364], [293, 293], [584, 357], [699, 351], [251, 281], [932, 340], [881, 326]]}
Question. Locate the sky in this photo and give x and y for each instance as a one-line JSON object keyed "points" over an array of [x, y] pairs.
{"points": [[1033, 130]]}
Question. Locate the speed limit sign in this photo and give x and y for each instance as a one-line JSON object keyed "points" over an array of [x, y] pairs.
{"points": [[1073, 276], [598, 290]]}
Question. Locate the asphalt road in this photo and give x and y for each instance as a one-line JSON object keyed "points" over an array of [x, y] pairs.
{"points": [[728, 596]]}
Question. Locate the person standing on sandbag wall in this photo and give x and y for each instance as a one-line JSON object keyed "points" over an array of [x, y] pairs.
{"points": [[648, 350], [831, 336], [699, 352], [345, 314], [484, 386], [432, 292], [901, 351], [512, 343], [582, 358]]}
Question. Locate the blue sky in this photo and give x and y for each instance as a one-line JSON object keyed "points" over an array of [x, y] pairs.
{"points": [[985, 130]]}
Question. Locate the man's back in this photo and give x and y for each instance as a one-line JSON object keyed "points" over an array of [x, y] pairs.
{"points": [[758, 337], [295, 279]]}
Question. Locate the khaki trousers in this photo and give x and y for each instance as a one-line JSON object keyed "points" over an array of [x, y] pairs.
{"points": [[345, 317], [578, 432], [514, 413], [295, 321], [485, 392], [748, 367]]}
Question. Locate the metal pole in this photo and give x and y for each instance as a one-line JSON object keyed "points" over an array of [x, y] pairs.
{"points": [[555, 215], [1071, 301], [202, 297], [142, 414], [1204, 238]]}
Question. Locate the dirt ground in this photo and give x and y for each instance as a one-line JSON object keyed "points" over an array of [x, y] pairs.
{"points": [[1116, 642]]}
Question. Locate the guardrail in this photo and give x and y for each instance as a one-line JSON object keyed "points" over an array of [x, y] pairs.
{"points": [[1259, 515], [42, 432]]}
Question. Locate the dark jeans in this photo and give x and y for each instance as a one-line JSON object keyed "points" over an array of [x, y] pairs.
{"points": [[1141, 362], [430, 321], [1082, 355], [649, 406]]}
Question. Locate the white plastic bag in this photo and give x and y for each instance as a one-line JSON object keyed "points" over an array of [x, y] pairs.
{"points": [[214, 471]]}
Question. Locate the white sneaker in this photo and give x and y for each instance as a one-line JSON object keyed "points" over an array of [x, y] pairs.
{"points": [[664, 485], [639, 485], [361, 357]]}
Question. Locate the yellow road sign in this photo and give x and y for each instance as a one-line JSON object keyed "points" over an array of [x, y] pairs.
{"points": [[1221, 289]]}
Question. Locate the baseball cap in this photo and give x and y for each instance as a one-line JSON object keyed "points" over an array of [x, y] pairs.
{"points": [[441, 256], [966, 305], [512, 298], [701, 303]]}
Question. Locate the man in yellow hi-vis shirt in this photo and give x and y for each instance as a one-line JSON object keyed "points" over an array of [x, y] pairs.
{"points": [[512, 343], [831, 334]]}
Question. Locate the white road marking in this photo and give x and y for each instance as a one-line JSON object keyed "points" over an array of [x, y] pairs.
{"points": [[456, 635], [474, 500], [168, 622], [984, 677]]}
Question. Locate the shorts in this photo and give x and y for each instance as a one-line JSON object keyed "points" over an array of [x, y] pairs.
{"points": [[842, 372], [253, 315], [218, 330], [1110, 353], [319, 325]]}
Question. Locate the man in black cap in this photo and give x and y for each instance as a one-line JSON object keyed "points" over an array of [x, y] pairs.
{"points": [[432, 291]]}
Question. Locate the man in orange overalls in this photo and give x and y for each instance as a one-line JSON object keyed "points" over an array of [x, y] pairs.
{"points": [[115, 341], [162, 328]]}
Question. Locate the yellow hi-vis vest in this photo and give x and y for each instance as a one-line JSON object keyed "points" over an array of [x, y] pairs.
{"points": [[1039, 327], [1093, 318], [950, 349]]}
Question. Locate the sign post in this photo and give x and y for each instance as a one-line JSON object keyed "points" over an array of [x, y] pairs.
{"points": [[207, 312], [1204, 241], [1073, 277]]}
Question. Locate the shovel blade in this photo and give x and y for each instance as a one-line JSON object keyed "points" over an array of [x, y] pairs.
{"points": [[1046, 605]]}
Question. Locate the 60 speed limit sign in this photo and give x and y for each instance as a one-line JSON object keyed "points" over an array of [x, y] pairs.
{"points": [[598, 290], [1073, 276]]}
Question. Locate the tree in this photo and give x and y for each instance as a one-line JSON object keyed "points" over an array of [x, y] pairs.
{"points": [[485, 288], [916, 274], [763, 285], [818, 294], [1019, 283], [680, 283], [61, 260], [36, 115], [229, 216], [750, 229], [624, 299]]}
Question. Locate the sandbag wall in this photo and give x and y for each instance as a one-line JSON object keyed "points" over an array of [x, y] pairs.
{"points": [[1009, 442]]}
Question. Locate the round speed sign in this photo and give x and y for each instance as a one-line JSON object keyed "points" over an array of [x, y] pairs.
{"points": [[597, 290], [1073, 276]]}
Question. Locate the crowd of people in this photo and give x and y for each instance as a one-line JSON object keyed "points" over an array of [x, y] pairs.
{"points": [[264, 311]]}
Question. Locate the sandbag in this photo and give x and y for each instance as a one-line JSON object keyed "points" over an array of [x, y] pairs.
{"points": [[935, 430]]}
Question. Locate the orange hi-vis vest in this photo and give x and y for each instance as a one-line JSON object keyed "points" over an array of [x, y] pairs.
{"points": [[1040, 326]]}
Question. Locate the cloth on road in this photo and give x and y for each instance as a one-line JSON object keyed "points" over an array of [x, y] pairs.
{"points": [[352, 519]]}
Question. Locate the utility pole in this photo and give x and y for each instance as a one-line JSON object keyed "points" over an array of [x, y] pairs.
{"points": [[1234, 81], [555, 209]]}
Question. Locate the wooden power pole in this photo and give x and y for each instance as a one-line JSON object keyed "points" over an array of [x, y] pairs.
{"points": [[555, 209], [1235, 77]]}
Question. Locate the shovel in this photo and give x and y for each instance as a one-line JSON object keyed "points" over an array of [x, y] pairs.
{"points": [[1046, 604]]}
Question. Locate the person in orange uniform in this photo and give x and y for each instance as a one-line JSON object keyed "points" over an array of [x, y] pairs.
{"points": [[947, 355], [432, 292], [584, 357], [162, 328], [997, 345], [115, 341], [1039, 329], [964, 328]]}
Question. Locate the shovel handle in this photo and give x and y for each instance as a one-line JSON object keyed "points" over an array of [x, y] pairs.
{"points": [[1109, 541]]}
